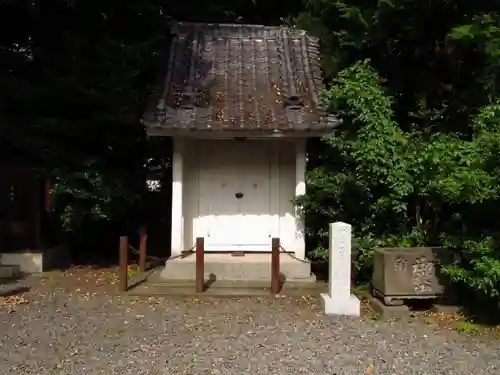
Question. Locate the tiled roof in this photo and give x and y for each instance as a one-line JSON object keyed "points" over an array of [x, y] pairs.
{"points": [[239, 77]]}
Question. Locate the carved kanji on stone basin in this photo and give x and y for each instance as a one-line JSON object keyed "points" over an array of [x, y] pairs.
{"points": [[409, 273]]}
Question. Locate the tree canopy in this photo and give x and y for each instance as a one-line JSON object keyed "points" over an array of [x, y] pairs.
{"points": [[416, 162], [75, 76]]}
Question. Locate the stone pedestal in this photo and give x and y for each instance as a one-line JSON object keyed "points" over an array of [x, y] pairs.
{"points": [[410, 273], [339, 300], [35, 261]]}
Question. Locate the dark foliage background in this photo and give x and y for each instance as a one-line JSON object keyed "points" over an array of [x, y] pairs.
{"points": [[416, 84]]}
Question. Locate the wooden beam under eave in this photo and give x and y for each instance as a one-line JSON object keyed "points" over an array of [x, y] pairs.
{"points": [[232, 134]]}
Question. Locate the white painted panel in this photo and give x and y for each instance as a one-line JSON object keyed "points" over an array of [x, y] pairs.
{"points": [[177, 234], [286, 195], [229, 169], [254, 208], [190, 194]]}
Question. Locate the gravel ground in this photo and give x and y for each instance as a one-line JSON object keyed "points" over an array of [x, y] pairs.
{"points": [[76, 325]]}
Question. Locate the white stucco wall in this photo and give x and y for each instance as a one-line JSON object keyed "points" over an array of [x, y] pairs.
{"points": [[287, 193], [190, 197], [177, 221], [283, 186]]}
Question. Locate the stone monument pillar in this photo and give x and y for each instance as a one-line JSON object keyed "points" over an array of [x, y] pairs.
{"points": [[339, 300]]}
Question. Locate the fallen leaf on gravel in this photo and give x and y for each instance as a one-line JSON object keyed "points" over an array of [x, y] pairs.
{"points": [[9, 303]]}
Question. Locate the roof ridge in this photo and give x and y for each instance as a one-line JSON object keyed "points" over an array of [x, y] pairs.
{"points": [[296, 32]]}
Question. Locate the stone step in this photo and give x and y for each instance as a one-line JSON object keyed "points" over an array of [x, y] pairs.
{"points": [[251, 267], [8, 289], [9, 272], [237, 284], [225, 288]]}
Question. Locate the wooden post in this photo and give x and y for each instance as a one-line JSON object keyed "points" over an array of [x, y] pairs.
{"points": [[143, 239], [275, 266], [123, 260], [200, 265]]}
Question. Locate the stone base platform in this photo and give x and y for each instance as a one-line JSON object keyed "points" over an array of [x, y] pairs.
{"points": [[388, 312], [250, 267], [341, 306], [35, 261], [9, 272]]}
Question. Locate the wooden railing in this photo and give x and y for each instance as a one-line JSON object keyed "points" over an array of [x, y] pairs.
{"points": [[123, 258], [123, 264], [275, 266], [200, 262], [200, 265], [143, 243]]}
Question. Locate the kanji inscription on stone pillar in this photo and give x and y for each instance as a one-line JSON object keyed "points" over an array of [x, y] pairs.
{"points": [[338, 300], [340, 259]]}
